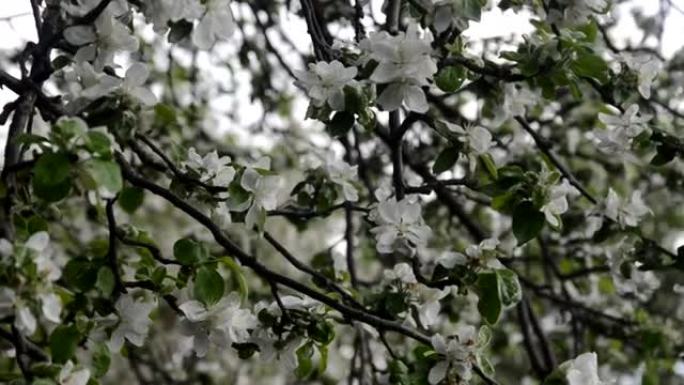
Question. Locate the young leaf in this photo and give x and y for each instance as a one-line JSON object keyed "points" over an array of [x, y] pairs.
{"points": [[445, 160], [187, 251], [527, 222], [63, 342], [489, 303], [509, 287], [106, 175], [131, 198], [209, 286]]}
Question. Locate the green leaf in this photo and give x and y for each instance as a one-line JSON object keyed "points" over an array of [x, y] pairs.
{"points": [[321, 332], [209, 286], [509, 288], [187, 251], [489, 303], [527, 222], [341, 123], [445, 160], [590, 65], [51, 173], [98, 143], [489, 164], [664, 155], [63, 342], [354, 100], [80, 274], [323, 362], [131, 198], [450, 78], [105, 280], [237, 277], [304, 354], [105, 174], [164, 114], [101, 360]]}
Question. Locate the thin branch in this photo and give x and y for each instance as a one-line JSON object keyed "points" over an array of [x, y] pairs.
{"points": [[112, 249]]}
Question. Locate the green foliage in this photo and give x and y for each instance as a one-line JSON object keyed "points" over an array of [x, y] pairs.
{"points": [[528, 222], [51, 176], [209, 286], [63, 342], [498, 290]]}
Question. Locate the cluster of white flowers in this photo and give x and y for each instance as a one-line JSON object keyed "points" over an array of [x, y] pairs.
{"points": [[214, 18], [476, 139], [628, 278], [425, 299], [264, 189], [70, 375], [556, 195], [221, 324], [100, 42], [37, 250], [212, 168], [343, 175], [617, 138], [458, 354], [647, 69], [626, 213], [400, 226], [324, 83], [405, 64], [482, 255], [583, 370], [134, 321]]}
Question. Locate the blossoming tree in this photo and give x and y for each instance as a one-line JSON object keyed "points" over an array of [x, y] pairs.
{"points": [[385, 233]]}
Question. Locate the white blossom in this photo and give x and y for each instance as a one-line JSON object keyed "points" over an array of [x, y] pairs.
{"points": [[405, 64], [220, 324], [457, 355], [477, 138], [583, 370], [10, 305], [483, 254], [100, 43], [556, 195], [216, 24], [343, 175], [264, 189], [647, 69], [85, 85], [401, 272], [211, 167], [160, 12], [134, 84], [24, 320], [628, 278], [39, 245], [399, 225], [69, 376], [620, 131], [325, 82], [428, 304], [626, 213], [134, 322], [51, 306]]}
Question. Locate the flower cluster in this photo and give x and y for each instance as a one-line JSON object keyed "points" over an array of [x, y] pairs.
{"points": [[399, 226], [404, 65], [620, 130]]}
